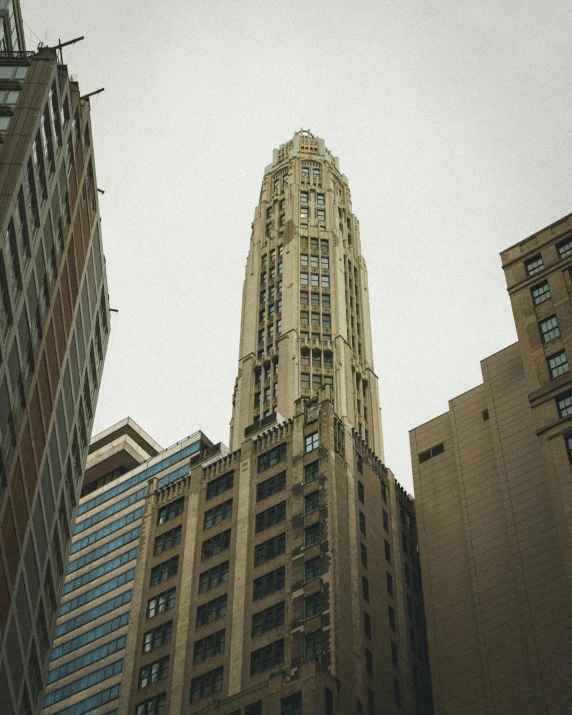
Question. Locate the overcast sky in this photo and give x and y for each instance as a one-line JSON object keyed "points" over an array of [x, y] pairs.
{"points": [[452, 121]]}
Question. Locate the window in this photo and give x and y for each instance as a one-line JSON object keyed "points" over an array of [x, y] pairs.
{"points": [[389, 579], [270, 549], [387, 548], [208, 647], [215, 545], [304, 297], [211, 611], [368, 662], [315, 299], [163, 602], [269, 583], [304, 197], [367, 625], [153, 706], [321, 199], [292, 705], [311, 502], [407, 574], [271, 486], [167, 540], [311, 442], [267, 657], [534, 265], [312, 534], [385, 518], [164, 570], [252, 709], [365, 588], [268, 229], [270, 517], [314, 261], [268, 620], [564, 248], [391, 613], [317, 173], [153, 672], [433, 452], [363, 550], [549, 329], [314, 244], [304, 212], [218, 513], [324, 245], [316, 319], [272, 457], [370, 702], [269, 212], [325, 263], [311, 471], [321, 214], [226, 481], [316, 381], [329, 702], [304, 317], [557, 364], [362, 523], [305, 171], [396, 691], [206, 684], [170, 511], [157, 637], [313, 644], [313, 568], [540, 292], [282, 219], [313, 605], [315, 279], [305, 380], [361, 492], [564, 403], [303, 259]]}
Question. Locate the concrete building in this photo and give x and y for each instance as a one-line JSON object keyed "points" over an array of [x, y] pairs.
{"points": [[282, 577], [54, 326], [94, 617], [494, 502]]}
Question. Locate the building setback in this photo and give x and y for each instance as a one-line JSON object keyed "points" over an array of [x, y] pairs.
{"points": [[494, 503], [282, 577], [54, 326], [96, 606]]}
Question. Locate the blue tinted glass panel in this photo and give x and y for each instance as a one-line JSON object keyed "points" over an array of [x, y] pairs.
{"points": [[93, 613], [76, 686], [98, 591], [90, 576], [87, 659], [107, 529], [84, 706], [89, 636], [110, 510], [103, 550]]}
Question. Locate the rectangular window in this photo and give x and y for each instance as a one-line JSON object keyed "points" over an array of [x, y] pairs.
{"points": [[157, 637], [313, 644], [270, 549], [385, 519], [292, 705], [167, 540], [208, 647], [317, 173], [325, 263], [534, 265], [315, 299], [269, 583], [365, 588], [314, 261], [315, 280], [211, 611], [311, 471], [213, 577], [549, 329], [368, 662], [312, 605], [362, 523], [303, 259], [218, 513], [304, 197], [433, 452], [163, 602], [313, 568], [391, 612], [540, 292], [272, 457], [387, 551], [304, 317], [557, 364], [206, 684], [282, 219], [564, 248], [268, 620], [316, 319], [252, 709], [271, 486], [215, 545], [153, 672], [396, 691], [305, 380], [170, 511], [321, 199], [311, 442], [361, 492], [564, 403], [223, 483], [312, 534], [321, 214], [304, 212], [304, 297], [269, 212], [363, 550], [165, 570], [367, 625], [152, 706], [389, 579], [394, 655], [325, 281], [267, 657], [370, 702], [311, 502], [306, 171], [270, 517], [329, 702], [568, 441]]}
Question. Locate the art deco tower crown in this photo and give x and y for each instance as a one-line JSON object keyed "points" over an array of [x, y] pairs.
{"points": [[305, 305]]}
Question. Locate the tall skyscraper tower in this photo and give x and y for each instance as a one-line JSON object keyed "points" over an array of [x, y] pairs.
{"points": [[54, 326], [493, 494], [282, 577], [305, 306]]}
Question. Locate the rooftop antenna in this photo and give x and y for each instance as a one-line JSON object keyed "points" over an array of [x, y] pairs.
{"points": [[65, 44], [97, 91]]}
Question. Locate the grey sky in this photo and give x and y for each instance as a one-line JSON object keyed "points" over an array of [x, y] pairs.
{"points": [[451, 119]]}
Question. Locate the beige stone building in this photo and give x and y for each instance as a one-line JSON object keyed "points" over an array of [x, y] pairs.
{"points": [[494, 494], [280, 577]]}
